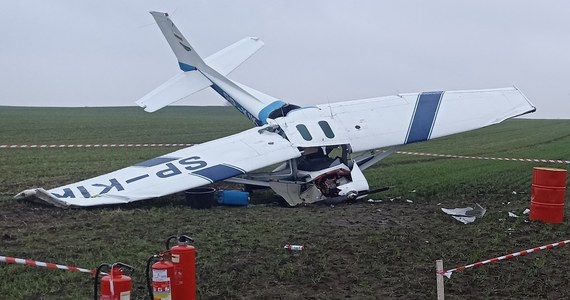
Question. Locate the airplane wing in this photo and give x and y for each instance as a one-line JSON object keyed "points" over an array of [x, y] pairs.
{"points": [[175, 172], [403, 119]]}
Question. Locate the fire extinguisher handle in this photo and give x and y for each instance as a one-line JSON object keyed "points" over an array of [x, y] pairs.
{"points": [[185, 239], [124, 267], [181, 239]]}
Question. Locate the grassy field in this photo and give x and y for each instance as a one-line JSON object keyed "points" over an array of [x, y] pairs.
{"points": [[361, 251]]}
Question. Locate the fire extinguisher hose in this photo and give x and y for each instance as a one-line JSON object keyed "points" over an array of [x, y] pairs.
{"points": [[98, 272], [147, 274], [96, 279]]}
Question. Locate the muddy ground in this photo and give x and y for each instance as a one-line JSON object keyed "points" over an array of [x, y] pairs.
{"points": [[383, 250]]}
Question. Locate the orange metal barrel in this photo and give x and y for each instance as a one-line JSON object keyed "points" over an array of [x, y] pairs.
{"points": [[547, 195]]}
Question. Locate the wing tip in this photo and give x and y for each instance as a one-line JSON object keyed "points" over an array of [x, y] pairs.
{"points": [[26, 194], [43, 195], [153, 12]]}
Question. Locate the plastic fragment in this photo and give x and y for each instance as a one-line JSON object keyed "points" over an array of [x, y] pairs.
{"points": [[466, 215]]}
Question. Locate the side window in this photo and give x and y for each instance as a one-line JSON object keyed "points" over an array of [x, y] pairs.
{"points": [[304, 132], [326, 129]]}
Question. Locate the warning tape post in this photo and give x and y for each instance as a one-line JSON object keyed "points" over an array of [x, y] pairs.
{"points": [[440, 272]]}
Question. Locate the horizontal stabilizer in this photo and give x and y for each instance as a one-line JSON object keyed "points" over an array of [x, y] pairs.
{"points": [[175, 89], [229, 58]]}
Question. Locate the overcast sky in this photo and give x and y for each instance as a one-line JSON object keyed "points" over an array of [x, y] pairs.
{"points": [[110, 53]]}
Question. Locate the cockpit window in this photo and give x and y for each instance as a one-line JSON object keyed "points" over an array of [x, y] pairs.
{"points": [[304, 132], [326, 129]]}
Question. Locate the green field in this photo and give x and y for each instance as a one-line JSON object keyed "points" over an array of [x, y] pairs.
{"points": [[361, 251]]}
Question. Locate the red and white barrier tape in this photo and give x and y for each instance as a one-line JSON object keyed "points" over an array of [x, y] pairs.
{"points": [[552, 161], [90, 146], [448, 273], [33, 263], [36, 146]]}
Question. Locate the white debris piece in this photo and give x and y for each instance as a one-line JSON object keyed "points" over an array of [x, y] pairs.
{"points": [[466, 215], [512, 215], [409, 201], [464, 220], [526, 211]]}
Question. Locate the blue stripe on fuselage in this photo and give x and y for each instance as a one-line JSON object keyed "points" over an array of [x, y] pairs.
{"points": [[271, 107], [219, 172], [186, 67], [236, 104], [423, 117]]}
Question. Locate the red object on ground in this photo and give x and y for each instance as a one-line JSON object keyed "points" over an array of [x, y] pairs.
{"points": [[547, 195], [184, 284], [162, 277], [115, 286]]}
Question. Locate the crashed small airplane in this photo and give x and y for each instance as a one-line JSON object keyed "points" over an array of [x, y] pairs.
{"points": [[317, 152]]}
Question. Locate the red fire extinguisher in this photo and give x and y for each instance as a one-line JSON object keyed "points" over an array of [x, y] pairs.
{"points": [[162, 277], [114, 285], [174, 274]]}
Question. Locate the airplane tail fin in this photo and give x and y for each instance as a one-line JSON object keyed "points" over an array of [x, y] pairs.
{"points": [[188, 59], [181, 85], [200, 74], [210, 72]]}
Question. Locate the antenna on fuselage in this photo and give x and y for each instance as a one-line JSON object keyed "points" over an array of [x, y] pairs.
{"points": [[330, 107]]}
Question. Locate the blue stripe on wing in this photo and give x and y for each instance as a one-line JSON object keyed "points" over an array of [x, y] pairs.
{"points": [[219, 172], [423, 117]]}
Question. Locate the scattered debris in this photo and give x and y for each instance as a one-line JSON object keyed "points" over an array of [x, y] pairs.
{"points": [[512, 215], [466, 215], [391, 200], [526, 211], [514, 192], [294, 247], [412, 191]]}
